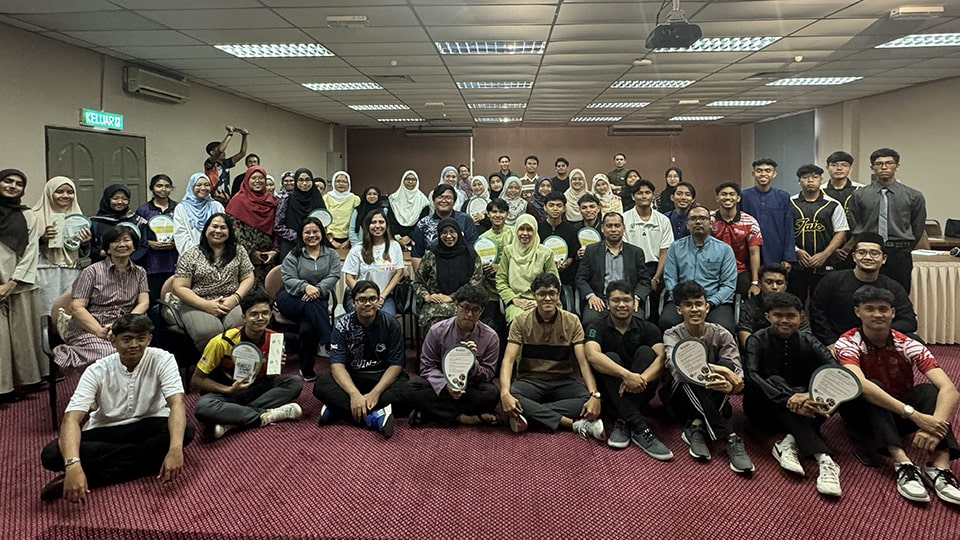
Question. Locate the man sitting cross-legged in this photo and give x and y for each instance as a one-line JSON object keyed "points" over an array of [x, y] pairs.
{"points": [[892, 406], [779, 361], [705, 410], [137, 422], [433, 398], [255, 400], [627, 353], [540, 343]]}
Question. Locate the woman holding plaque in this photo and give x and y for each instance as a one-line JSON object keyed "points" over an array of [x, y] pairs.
{"points": [[476, 205], [516, 203], [520, 263], [115, 209], [59, 255], [255, 211], [577, 189], [407, 205], [341, 203], [372, 200], [443, 271], [609, 202], [293, 209], [378, 258], [192, 213], [160, 260]]}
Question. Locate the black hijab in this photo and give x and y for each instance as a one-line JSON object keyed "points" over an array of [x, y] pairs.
{"points": [[365, 207], [664, 201], [105, 209], [627, 191], [454, 264], [13, 224], [301, 203]]}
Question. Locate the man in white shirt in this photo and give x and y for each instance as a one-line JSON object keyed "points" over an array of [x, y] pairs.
{"points": [[649, 230]]}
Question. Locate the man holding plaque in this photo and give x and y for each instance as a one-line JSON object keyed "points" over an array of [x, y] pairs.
{"points": [[237, 391], [892, 406], [779, 361], [544, 389], [554, 206], [442, 396], [589, 206], [502, 236]]}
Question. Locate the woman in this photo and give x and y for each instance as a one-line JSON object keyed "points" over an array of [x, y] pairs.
{"points": [[378, 259], [517, 204], [321, 184], [443, 271], [104, 291], [293, 209], [407, 206], [609, 202], [309, 272], [544, 187], [479, 189], [372, 200], [630, 187], [211, 279], [57, 266], [664, 201], [449, 177], [577, 189], [271, 184], [496, 186], [22, 361], [255, 211], [160, 260], [115, 209], [521, 262], [340, 203], [288, 183], [190, 216]]}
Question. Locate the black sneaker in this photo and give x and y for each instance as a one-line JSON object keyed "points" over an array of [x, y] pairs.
{"points": [[650, 444], [697, 441], [739, 460], [620, 436], [308, 375], [53, 490]]}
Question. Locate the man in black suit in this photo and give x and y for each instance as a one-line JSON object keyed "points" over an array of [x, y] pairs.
{"points": [[608, 261]]}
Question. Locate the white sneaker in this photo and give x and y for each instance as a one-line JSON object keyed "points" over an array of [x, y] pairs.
{"points": [[909, 484], [787, 455], [944, 483], [220, 430], [290, 411], [589, 428], [828, 482]]}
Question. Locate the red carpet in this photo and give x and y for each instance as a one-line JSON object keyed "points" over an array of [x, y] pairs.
{"points": [[294, 480]]}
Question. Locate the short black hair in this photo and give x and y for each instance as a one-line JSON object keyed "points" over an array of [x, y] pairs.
{"points": [[464, 165], [773, 269], [696, 205], [364, 285], [158, 177], [810, 168], [563, 160], [643, 182], [117, 232], [869, 293], [763, 161], [533, 157], [441, 189], [256, 296], [212, 145], [473, 294], [885, 152], [251, 155], [619, 285], [555, 196], [132, 323], [688, 290], [545, 280], [724, 185], [503, 156], [617, 215], [688, 185], [839, 155], [781, 300], [499, 204], [619, 154], [588, 197], [870, 238]]}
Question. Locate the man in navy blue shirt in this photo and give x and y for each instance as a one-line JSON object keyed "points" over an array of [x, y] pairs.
{"points": [[771, 206]]}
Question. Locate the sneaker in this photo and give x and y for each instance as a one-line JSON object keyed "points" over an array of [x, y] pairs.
{"points": [[694, 437], [650, 444], [786, 454], [944, 484], [909, 484], [381, 420], [324, 417], [219, 430], [739, 460], [828, 482], [308, 376], [290, 411], [620, 437], [518, 424], [54, 489], [589, 428]]}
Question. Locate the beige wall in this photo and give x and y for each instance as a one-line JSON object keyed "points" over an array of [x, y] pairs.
{"points": [[47, 82]]}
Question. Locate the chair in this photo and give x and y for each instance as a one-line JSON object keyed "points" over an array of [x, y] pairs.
{"points": [[49, 339], [173, 337], [932, 228], [169, 312], [271, 284]]}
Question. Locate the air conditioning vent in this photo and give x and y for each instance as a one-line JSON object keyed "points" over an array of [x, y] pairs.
{"points": [[151, 84], [432, 131], [644, 130]]}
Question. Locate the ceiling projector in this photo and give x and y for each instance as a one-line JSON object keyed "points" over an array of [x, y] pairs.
{"points": [[673, 35]]}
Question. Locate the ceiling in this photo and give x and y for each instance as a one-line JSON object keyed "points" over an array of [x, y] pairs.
{"points": [[589, 45]]}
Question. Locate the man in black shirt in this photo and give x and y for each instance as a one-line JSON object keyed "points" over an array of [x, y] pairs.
{"points": [[504, 172], [820, 228], [554, 207], [773, 279], [841, 188], [561, 182]]}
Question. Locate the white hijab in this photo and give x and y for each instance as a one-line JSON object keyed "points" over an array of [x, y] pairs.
{"points": [[407, 204], [340, 196], [573, 196], [518, 205], [485, 195], [609, 195]]}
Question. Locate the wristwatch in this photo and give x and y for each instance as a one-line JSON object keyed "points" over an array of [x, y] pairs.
{"points": [[907, 411], [755, 283], [70, 461], [595, 394]]}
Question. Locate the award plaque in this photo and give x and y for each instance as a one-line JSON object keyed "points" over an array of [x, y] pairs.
{"points": [[132, 226], [246, 361], [833, 385], [72, 226], [486, 249], [275, 357], [162, 227], [323, 216], [476, 205], [587, 236], [558, 246], [57, 221], [690, 359], [456, 365]]}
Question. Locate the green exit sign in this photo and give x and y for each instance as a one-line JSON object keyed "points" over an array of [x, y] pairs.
{"points": [[101, 119]]}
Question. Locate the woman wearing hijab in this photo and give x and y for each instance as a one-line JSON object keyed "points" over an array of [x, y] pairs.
{"points": [[192, 213], [57, 266], [544, 187], [372, 200], [577, 189], [609, 202], [22, 362], [664, 201], [340, 203], [443, 271], [115, 209], [521, 262], [160, 259], [481, 190], [407, 206], [288, 183], [449, 176], [512, 189], [294, 208], [496, 186], [629, 188], [255, 211]]}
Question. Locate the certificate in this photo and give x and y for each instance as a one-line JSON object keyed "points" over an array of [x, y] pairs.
{"points": [[558, 246], [486, 249], [690, 359], [587, 236], [57, 221], [833, 385], [325, 217], [456, 365], [72, 226], [246, 361], [275, 357], [476, 205], [162, 227]]}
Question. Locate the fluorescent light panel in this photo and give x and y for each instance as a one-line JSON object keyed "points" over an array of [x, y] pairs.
{"points": [[813, 81], [398, 120], [742, 103], [275, 50], [596, 119], [383, 107], [725, 44], [497, 105], [922, 40], [491, 47], [498, 119], [622, 105], [694, 118], [490, 85], [652, 84], [338, 86]]}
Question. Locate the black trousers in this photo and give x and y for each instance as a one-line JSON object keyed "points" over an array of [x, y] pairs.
{"points": [[769, 416], [480, 397], [115, 454], [627, 407], [688, 402], [722, 315], [803, 283], [329, 392], [899, 266]]}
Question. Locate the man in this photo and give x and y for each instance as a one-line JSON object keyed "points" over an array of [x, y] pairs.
{"points": [[530, 180], [237, 396], [502, 235], [841, 187], [554, 225], [705, 410], [779, 361], [892, 209], [832, 311], [250, 161], [607, 261], [366, 376], [217, 166], [463, 175], [590, 210], [892, 406], [544, 390], [771, 206], [683, 197], [820, 228], [504, 172], [706, 260], [434, 398], [741, 232], [649, 230], [619, 172], [561, 182], [424, 233], [773, 279], [137, 424], [627, 353]]}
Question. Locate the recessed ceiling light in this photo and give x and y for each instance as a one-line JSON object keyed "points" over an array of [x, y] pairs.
{"points": [[741, 103], [596, 119], [621, 105], [384, 107], [652, 84], [725, 44], [275, 50], [695, 118], [497, 105], [500, 119], [333, 87], [922, 40], [485, 85], [491, 47], [813, 81], [398, 120]]}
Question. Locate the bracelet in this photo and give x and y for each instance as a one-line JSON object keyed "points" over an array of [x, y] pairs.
{"points": [[238, 296]]}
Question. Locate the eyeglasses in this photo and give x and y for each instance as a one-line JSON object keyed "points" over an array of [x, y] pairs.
{"points": [[366, 299], [471, 310], [258, 314], [885, 164], [445, 199], [547, 294]]}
